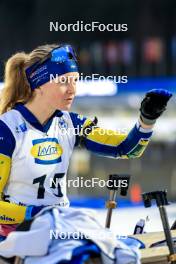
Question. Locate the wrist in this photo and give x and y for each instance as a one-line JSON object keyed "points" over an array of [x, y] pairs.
{"points": [[28, 214], [146, 123], [31, 211]]}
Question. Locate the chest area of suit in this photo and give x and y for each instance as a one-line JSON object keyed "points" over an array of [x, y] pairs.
{"points": [[45, 148]]}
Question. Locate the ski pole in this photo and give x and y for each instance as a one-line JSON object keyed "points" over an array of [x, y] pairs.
{"points": [[116, 182], [161, 201]]}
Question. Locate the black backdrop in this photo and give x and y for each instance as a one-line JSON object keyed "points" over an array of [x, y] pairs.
{"points": [[24, 24]]}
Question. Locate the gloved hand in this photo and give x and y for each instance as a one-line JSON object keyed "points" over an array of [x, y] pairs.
{"points": [[153, 105], [32, 210]]}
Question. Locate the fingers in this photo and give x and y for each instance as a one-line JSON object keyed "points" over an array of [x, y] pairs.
{"points": [[154, 104], [160, 92]]}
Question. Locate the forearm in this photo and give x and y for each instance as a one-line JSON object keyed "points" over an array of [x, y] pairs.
{"points": [[116, 144], [11, 213], [135, 143], [5, 165]]}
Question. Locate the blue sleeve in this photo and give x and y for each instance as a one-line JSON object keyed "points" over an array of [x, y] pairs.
{"points": [[135, 143], [7, 140], [78, 122]]}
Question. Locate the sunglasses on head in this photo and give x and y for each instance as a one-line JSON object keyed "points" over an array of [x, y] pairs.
{"points": [[58, 55]]}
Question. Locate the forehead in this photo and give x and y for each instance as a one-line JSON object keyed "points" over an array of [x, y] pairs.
{"points": [[67, 77], [71, 74]]}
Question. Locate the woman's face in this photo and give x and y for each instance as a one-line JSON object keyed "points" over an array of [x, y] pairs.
{"points": [[60, 92]]}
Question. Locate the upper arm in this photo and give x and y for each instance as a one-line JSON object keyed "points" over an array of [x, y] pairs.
{"points": [[7, 145], [13, 213], [96, 139], [79, 123]]}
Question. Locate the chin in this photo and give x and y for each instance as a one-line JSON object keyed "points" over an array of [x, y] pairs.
{"points": [[65, 108]]}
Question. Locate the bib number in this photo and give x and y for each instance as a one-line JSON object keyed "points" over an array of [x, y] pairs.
{"points": [[55, 185]]}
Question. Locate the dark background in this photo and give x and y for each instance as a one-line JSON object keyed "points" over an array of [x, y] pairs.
{"points": [[25, 25]]}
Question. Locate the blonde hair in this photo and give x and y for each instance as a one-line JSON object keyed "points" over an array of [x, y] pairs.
{"points": [[16, 87]]}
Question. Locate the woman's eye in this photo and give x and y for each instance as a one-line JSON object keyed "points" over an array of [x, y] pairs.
{"points": [[75, 80], [63, 80]]}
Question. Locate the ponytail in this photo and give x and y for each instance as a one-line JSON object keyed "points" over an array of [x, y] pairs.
{"points": [[16, 88]]}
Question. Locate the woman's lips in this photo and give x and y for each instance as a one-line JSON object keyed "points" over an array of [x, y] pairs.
{"points": [[69, 99]]}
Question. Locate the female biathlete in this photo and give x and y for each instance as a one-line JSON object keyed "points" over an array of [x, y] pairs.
{"points": [[33, 148]]}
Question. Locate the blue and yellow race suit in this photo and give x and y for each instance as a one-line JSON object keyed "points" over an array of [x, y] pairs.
{"points": [[32, 154]]}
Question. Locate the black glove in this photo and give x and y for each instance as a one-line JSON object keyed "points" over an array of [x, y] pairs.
{"points": [[153, 105]]}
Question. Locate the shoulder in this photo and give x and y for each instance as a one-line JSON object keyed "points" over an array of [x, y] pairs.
{"points": [[7, 139], [5, 120], [11, 117], [77, 119]]}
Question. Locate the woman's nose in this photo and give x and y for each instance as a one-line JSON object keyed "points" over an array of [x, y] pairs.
{"points": [[71, 88]]}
